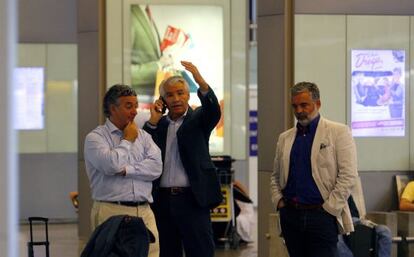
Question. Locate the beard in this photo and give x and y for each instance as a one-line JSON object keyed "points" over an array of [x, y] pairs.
{"points": [[304, 118]]}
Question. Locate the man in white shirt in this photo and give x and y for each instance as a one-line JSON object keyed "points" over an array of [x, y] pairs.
{"points": [[121, 163]]}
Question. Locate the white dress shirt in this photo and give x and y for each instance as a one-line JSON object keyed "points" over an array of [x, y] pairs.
{"points": [[107, 154], [174, 174]]}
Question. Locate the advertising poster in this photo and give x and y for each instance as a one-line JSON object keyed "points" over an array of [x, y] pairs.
{"points": [[163, 35], [29, 96], [378, 93]]}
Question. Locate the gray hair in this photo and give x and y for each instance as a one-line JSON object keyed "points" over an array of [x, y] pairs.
{"points": [[303, 87], [171, 81], [113, 94]]}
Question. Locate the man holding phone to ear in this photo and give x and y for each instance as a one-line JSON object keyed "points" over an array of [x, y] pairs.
{"points": [[188, 186]]}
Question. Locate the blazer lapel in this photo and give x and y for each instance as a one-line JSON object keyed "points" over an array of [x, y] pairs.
{"points": [[287, 148], [186, 119], [163, 128], [320, 132]]}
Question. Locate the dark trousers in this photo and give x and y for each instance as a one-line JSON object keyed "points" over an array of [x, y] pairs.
{"points": [[183, 224], [309, 233]]}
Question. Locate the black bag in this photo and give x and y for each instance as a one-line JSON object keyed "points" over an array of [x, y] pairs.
{"points": [[363, 241]]}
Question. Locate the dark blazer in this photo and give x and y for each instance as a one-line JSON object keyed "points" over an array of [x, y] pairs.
{"points": [[193, 137]]}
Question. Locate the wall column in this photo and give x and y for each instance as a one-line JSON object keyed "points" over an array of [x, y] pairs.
{"points": [[275, 75], [91, 74], [8, 166]]}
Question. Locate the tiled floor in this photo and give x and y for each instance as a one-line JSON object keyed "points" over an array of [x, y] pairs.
{"points": [[64, 242]]}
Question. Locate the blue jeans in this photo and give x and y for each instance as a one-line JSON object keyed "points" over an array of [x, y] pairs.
{"points": [[309, 233], [384, 240], [343, 250]]}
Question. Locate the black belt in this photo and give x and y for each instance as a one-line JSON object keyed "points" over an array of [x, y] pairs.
{"points": [[126, 203], [300, 206], [174, 190]]}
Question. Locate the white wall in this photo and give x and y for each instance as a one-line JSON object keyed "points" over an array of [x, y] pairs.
{"points": [[60, 132], [48, 157], [320, 56]]}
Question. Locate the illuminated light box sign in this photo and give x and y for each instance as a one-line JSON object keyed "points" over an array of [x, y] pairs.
{"points": [[29, 98], [378, 93], [158, 36]]}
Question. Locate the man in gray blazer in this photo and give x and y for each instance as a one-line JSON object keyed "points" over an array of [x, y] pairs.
{"points": [[315, 169]]}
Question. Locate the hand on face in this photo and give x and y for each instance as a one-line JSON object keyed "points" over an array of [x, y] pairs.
{"points": [[124, 112], [131, 132]]}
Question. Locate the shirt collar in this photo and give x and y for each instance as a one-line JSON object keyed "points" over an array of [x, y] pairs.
{"points": [[111, 127], [311, 127], [179, 119]]}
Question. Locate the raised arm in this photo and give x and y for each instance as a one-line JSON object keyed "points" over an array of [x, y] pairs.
{"points": [[210, 106]]}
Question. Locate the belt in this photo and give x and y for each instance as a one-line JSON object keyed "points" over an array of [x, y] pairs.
{"points": [[300, 206], [174, 190], [126, 203]]}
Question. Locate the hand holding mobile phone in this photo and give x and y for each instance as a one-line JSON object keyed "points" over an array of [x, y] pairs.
{"points": [[164, 105]]}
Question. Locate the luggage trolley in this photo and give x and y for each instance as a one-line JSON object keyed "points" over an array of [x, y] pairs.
{"points": [[223, 217]]}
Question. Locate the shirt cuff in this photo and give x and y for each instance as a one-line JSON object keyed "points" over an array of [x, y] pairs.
{"points": [[128, 170], [125, 143], [204, 93]]}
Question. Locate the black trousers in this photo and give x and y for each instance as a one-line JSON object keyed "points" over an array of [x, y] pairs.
{"points": [[309, 233], [183, 225]]}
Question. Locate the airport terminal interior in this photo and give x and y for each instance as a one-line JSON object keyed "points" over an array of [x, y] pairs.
{"points": [[66, 54]]}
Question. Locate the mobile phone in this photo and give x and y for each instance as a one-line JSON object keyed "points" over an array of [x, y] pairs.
{"points": [[164, 105]]}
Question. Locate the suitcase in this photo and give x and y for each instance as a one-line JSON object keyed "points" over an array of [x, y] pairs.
{"points": [[32, 243], [363, 241]]}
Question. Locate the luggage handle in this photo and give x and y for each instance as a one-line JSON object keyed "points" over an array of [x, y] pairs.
{"points": [[35, 243], [31, 219]]}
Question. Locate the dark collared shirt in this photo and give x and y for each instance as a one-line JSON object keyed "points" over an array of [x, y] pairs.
{"points": [[301, 186]]}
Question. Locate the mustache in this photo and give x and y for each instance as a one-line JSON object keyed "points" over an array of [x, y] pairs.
{"points": [[301, 115]]}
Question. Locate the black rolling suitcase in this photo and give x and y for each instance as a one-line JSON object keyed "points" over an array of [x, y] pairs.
{"points": [[363, 241], [31, 244]]}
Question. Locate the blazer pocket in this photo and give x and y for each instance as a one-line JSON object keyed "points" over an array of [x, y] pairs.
{"points": [[326, 156]]}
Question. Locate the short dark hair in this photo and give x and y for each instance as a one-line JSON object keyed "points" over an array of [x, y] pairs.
{"points": [[112, 95], [305, 86]]}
